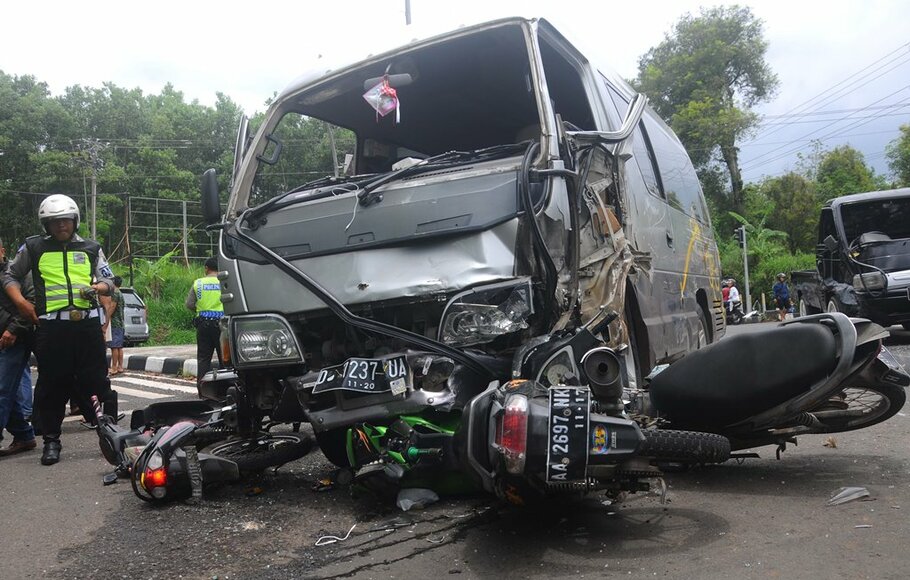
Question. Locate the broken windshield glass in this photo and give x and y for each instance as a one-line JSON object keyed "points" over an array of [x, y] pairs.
{"points": [[888, 217]]}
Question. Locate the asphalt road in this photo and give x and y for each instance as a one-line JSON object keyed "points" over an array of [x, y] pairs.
{"points": [[762, 518]]}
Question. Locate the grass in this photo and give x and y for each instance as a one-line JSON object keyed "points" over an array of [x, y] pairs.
{"points": [[164, 286]]}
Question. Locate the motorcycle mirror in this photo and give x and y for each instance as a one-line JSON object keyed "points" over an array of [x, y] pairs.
{"points": [[831, 243]]}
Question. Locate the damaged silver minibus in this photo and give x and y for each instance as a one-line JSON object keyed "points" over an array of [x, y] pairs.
{"points": [[503, 189]]}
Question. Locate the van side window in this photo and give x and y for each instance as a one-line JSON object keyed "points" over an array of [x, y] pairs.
{"points": [[641, 146], [681, 185]]}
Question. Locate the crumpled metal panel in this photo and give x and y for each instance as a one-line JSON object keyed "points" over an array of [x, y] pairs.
{"points": [[423, 269]]}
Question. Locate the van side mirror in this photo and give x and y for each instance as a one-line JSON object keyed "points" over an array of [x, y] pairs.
{"points": [[211, 205], [831, 244]]}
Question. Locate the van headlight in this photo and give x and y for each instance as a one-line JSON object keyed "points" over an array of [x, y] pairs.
{"points": [[481, 314], [869, 281], [263, 338]]}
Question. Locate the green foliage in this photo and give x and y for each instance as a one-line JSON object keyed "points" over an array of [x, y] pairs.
{"points": [[164, 285], [795, 209], [898, 152], [703, 80], [147, 145], [843, 171]]}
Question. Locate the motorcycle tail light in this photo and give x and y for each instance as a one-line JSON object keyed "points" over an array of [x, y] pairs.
{"points": [[154, 477], [512, 433]]}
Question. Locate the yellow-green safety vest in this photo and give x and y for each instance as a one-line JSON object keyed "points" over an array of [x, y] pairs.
{"points": [[208, 297], [64, 274]]}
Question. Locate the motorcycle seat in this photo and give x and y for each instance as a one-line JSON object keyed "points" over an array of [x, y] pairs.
{"points": [[744, 375]]}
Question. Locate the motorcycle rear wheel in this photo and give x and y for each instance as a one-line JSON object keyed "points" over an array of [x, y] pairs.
{"points": [[861, 407], [684, 446], [259, 453]]}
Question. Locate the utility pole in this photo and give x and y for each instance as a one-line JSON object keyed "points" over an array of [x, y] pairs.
{"points": [[92, 150], [407, 11], [740, 235]]}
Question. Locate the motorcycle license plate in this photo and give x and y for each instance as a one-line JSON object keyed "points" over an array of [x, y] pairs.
{"points": [[567, 437], [365, 375]]}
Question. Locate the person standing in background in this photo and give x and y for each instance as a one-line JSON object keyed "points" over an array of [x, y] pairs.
{"points": [[113, 307], [205, 300], [16, 336]]}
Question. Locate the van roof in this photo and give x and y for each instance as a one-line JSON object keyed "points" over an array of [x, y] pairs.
{"points": [[393, 44]]}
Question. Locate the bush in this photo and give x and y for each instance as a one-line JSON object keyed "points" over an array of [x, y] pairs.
{"points": [[164, 285]]}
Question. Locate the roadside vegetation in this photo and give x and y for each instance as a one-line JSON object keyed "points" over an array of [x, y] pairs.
{"points": [[164, 285]]}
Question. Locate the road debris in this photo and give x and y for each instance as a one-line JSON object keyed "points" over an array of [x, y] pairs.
{"points": [[326, 540], [416, 498], [830, 442], [847, 494]]}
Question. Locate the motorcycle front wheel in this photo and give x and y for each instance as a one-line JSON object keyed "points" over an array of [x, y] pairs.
{"points": [[859, 407], [263, 451]]}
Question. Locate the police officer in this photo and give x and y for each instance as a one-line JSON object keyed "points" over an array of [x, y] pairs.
{"points": [[69, 345], [205, 300]]}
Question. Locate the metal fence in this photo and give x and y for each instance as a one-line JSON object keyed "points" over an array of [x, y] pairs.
{"points": [[157, 226]]}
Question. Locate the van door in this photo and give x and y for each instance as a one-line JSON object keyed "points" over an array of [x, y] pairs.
{"points": [[694, 268]]}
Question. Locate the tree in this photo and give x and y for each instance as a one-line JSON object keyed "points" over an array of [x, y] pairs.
{"points": [[795, 211], [843, 171], [898, 153], [704, 78]]}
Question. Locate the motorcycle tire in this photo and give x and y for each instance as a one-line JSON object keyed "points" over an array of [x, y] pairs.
{"points": [[333, 444], [861, 407], [684, 446], [259, 453]]}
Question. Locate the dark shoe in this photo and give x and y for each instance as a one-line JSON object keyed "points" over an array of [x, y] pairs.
{"points": [[51, 454], [18, 447]]}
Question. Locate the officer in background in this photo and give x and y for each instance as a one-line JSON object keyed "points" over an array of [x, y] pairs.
{"points": [[205, 300], [69, 345]]}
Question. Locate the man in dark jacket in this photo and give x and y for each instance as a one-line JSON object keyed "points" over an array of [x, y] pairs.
{"points": [[15, 346]]}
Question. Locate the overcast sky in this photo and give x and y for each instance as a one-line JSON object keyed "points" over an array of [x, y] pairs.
{"points": [[856, 53]]}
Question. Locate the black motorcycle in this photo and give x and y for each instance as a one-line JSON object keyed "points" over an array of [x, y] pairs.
{"points": [[824, 373]]}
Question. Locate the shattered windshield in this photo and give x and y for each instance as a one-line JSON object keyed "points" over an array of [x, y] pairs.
{"points": [[887, 216], [463, 95]]}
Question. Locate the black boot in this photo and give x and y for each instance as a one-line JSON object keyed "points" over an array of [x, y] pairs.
{"points": [[51, 454]]}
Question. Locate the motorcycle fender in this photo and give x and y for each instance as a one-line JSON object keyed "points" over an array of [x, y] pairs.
{"points": [[612, 438], [217, 469]]}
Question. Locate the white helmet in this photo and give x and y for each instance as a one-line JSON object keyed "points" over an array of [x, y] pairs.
{"points": [[58, 206]]}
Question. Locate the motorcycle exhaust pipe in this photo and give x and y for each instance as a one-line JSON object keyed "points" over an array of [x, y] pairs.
{"points": [[603, 369]]}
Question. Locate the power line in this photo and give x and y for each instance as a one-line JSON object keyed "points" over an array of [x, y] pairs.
{"points": [[851, 79], [752, 164]]}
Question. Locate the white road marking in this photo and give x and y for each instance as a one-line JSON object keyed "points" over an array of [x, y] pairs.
{"points": [[140, 394], [154, 384]]}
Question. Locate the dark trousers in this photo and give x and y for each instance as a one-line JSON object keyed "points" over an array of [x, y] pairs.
{"points": [[72, 362], [208, 335]]}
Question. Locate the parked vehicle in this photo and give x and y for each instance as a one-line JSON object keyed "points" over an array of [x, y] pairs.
{"points": [[135, 318], [734, 312], [862, 258], [471, 231]]}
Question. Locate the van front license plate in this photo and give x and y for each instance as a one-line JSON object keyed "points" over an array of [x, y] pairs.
{"points": [[567, 440], [365, 375]]}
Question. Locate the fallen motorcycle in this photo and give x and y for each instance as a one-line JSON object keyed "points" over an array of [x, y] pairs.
{"points": [[824, 373], [161, 457]]}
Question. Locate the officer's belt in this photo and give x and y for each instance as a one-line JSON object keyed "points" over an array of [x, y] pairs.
{"points": [[73, 315]]}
